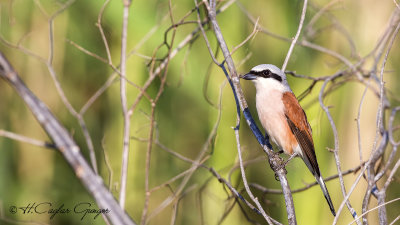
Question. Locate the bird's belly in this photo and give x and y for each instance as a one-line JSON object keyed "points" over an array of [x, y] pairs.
{"points": [[271, 113]]}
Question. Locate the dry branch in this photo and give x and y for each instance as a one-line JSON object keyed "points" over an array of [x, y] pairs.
{"points": [[66, 145], [275, 161]]}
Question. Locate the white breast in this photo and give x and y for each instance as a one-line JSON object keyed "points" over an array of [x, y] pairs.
{"points": [[270, 111]]}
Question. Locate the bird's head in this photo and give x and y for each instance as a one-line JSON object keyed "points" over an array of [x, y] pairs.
{"points": [[267, 76]]}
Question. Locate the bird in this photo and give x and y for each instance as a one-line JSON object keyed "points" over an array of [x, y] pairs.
{"points": [[284, 120]]}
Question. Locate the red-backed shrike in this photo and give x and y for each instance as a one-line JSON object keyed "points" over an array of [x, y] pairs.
{"points": [[283, 118]]}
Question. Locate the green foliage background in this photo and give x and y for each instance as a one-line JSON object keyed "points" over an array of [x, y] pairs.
{"points": [[184, 118]]}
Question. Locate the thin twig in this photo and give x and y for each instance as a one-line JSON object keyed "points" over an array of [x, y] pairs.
{"points": [[103, 36], [375, 208], [307, 186], [336, 149], [250, 36], [108, 165], [358, 121], [25, 139], [289, 53], [124, 105], [87, 52], [244, 179]]}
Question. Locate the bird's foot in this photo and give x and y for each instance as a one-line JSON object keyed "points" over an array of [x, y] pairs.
{"points": [[290, 158], [277, 164]]}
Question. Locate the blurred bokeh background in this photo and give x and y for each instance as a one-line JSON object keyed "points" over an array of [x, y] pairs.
{"points": [[195, 103]]}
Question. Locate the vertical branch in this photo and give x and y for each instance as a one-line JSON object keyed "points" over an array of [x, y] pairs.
{"points": [[336, 150], [358, 121], [147, 166], [275, 161], [267, 218], [103, 36], [60, 91], [377, 153], [125, 143], [303, 15], [152, 121], [220, 38]]}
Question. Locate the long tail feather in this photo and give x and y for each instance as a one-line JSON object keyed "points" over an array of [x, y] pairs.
{"points": [[326, 193], [315, 171]]}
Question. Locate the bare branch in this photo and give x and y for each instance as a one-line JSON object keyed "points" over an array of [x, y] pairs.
{"points": [[375, 208], [303, 15], [28, 140], [66, 145], [307, 186], [103, 36], [124, 105], [336, 151], [275, 160], [244, 179]]}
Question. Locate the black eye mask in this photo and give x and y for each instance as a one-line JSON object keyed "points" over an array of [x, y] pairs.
{"points": [[267, 74]]}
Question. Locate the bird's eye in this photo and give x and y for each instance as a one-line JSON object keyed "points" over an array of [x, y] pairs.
{"points": [[266, 73]]}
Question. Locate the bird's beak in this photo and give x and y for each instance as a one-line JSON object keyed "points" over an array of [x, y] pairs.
{"points": [[249, 76]]}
